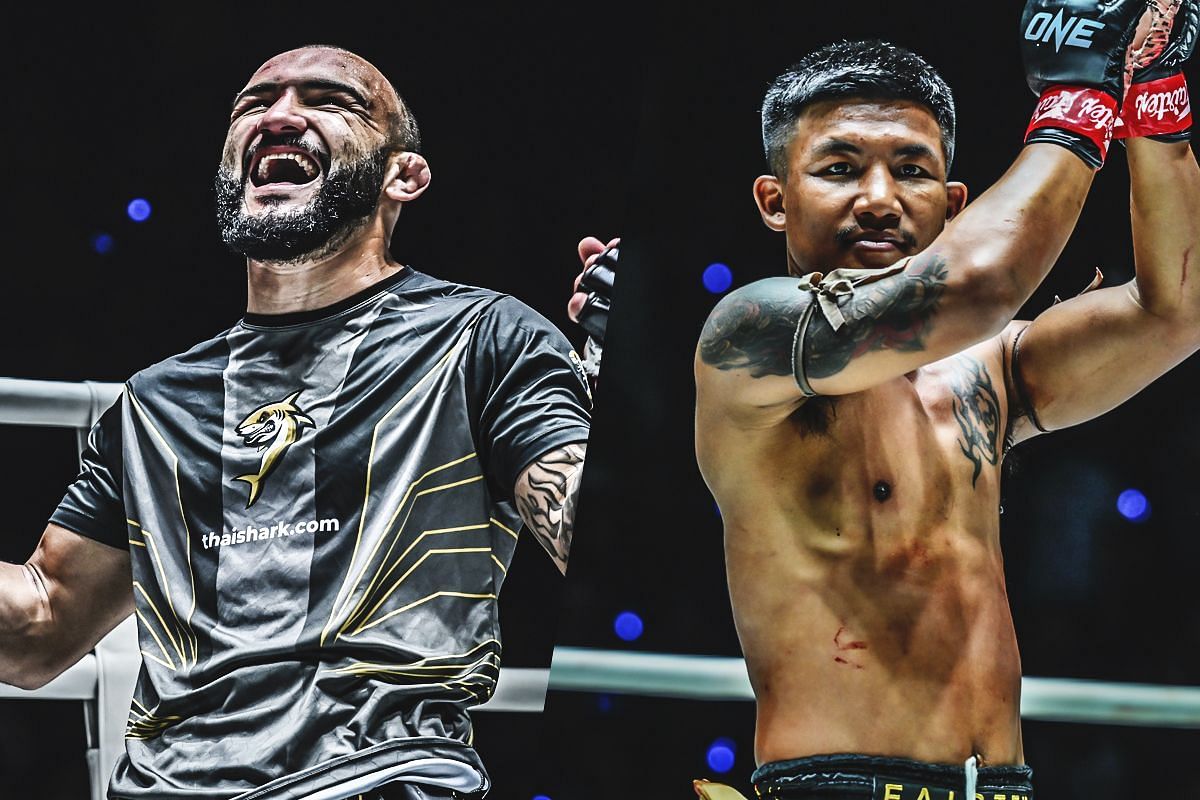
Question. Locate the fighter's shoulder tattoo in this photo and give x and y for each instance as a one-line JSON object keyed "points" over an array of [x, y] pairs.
{"points": [[977, 411], [753, 328], [892, 313], [546, 496]]}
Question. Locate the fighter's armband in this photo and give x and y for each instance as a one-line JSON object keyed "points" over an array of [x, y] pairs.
{"points": [[1022, 402], [1022, 406], [830, 293]]}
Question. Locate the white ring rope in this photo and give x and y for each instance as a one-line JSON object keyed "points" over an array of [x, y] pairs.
{"points": [[722, 678], [77, 405], [56, 404]]}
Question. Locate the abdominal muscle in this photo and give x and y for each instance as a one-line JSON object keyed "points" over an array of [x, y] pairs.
{"points": [[928, 672], [868, 626]]}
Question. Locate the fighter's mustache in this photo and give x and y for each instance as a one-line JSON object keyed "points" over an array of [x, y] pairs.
{"points": [[852, 233], [283, 140]]}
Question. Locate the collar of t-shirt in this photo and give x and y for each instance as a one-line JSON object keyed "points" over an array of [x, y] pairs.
{"points": [[293, 318]]}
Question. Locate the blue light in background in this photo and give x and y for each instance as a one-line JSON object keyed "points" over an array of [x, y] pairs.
{"points": [[717, 278], [138, 209], [1133, 505], [721, 754], [628, 626], [604, 702], [540, 797], [102, 243]]}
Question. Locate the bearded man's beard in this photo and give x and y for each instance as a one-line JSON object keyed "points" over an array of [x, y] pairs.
{"points": [[348, 195]]}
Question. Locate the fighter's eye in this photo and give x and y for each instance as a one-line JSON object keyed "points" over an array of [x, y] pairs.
{"points": [[912, 171], [840, 168], [249, 104], [337, 101]]}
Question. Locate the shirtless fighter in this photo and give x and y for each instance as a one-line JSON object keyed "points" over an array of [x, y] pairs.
{"points": [[851, 423], [317, 508]]}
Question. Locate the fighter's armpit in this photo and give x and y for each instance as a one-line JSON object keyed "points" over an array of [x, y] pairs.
{"points": [[546, 495], [893, 312]]}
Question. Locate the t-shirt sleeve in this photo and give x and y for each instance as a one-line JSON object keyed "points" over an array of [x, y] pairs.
{"points": [[530, 391], [93, 505]]}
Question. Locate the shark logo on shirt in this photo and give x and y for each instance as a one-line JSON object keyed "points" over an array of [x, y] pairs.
{"points": [[272, 428]]}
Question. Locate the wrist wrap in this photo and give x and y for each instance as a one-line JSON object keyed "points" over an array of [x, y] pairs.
{"points": [[1159, 108], [1077, 118]]}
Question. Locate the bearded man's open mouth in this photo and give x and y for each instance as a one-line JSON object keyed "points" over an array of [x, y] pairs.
{"points": [[283, 165]]}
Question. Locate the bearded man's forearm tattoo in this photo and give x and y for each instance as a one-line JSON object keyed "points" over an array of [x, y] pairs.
{"points": [[977, 411], [755, 328], [547, 494]]}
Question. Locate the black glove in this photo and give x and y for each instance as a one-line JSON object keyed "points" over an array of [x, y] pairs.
{"points": [[1157, 104], [1075, 55], [597, 282]]}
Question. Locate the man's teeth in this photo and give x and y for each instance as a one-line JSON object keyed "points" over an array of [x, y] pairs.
{"points": [[305, 163]]}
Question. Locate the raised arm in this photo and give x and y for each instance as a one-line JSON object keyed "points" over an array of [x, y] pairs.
{"points": [[58, 604], [970, 281], [546, 494], [1087, 355], [965, 287]]}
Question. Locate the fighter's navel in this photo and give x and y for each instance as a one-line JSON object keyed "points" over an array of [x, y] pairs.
{"points": [[882, 491]]}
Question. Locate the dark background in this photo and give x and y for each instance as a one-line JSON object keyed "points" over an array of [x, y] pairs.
{"points": [[1093, 595], [529, 116], [526, 115]]}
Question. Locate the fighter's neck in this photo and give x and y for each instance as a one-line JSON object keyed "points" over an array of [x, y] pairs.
{"points": [[796, 269], [304, 285]]}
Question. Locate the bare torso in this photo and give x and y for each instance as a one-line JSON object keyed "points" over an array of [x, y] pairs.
{"points": [[865, 570]]}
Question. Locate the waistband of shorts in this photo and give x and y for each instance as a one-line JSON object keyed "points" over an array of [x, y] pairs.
{"points": [[853, 775]]}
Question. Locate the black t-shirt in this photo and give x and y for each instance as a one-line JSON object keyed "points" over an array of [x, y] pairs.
{"points": [[319, 512]]}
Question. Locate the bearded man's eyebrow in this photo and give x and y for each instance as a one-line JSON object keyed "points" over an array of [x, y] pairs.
{"points": [[315, 84]]}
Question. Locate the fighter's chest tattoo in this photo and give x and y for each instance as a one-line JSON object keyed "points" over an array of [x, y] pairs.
{"points": [[976, 409]]}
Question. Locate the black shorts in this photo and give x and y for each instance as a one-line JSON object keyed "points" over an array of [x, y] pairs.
{"points": [[845, 776]]}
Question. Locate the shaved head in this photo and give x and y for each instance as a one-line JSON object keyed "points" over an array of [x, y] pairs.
{"points": [[313, 137], [403, 133]]}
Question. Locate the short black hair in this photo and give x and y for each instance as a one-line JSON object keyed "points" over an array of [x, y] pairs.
{"points": [[869, 70]]}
